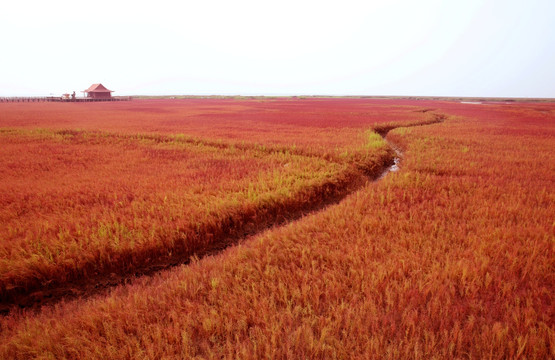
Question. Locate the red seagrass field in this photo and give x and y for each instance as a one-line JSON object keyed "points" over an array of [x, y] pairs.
{"points": [[248, 228]]}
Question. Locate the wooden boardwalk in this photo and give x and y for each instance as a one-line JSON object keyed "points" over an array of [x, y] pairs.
{"points": [[61, 99]]}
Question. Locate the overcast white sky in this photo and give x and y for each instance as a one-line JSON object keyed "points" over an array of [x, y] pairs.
{"points": [[286, 47]]}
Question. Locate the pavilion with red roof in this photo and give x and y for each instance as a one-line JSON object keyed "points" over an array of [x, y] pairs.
{"points": [[98, 91]]}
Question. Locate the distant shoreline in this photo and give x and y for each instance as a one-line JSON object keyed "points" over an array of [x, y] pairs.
{"points": [[377, 97], [464, 99]]}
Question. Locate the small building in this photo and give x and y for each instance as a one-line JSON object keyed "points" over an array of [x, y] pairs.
{"points": [[98, 91]]}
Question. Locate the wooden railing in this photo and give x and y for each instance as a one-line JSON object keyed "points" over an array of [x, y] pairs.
{"points": [[61, 99]]}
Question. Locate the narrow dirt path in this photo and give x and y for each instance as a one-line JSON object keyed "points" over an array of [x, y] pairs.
{"points": [[102, 284]]}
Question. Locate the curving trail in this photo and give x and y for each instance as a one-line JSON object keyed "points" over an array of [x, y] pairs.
{"points": [[327, 195]]}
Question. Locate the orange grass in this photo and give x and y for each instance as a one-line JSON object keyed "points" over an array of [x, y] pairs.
{"points": [[451, 257], [79, 204], [103, 188], [316, 126]]}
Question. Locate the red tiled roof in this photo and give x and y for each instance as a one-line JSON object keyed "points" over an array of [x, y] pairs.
{"points": [[97, 88]]}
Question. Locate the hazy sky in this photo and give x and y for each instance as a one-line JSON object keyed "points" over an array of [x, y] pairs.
{"points": [[396, 47]]}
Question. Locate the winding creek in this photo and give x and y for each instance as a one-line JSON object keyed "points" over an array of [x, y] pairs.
{"points": [[80, 290]]}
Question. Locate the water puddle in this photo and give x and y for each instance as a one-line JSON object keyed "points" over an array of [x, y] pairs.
{"points": [[395, 166], [396, 161]]}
